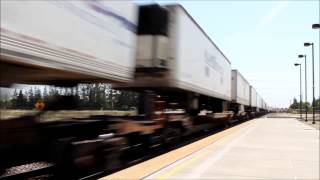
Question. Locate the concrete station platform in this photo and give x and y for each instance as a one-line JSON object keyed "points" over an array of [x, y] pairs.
{"points": [[263, 148]]}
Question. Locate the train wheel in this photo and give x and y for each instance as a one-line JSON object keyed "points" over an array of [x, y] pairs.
{"points": [[113, 150], [172, 137], [227, 124], [136, 145], [80, 158]]}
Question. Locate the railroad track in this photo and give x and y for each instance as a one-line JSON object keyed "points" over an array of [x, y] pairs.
{"points": [[43, 170]]}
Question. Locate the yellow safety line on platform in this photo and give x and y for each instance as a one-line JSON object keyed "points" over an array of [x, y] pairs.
{"points": [[153, 165], [181, 166]]}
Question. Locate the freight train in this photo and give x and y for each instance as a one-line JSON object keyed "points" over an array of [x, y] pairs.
{"points": [[184, 81]]}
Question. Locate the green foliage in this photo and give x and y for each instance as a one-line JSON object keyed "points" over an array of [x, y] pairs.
{"points": [[21, 101], [97, 96], [295, 106], [5, 104]]}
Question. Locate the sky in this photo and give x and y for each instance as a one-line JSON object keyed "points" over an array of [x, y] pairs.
{"points": [[262, 39]]}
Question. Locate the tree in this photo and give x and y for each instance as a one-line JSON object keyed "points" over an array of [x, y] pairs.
{"points": [[45, 95], [37, 95], [14, 99], [31, 99], [306, 105], [318, 103], [126, 100], [82, 97], [52, 91], [91, 97], [21, 101], [75, 92], [4, 104], [88, 96], [295, 104]]}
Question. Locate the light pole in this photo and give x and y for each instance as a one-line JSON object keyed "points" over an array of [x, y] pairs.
{"points": [[300, 107], [313, 100], [305, 82], [317, 26]]}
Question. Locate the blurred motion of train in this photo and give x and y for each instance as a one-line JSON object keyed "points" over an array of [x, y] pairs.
{"points": [[185, 83]]}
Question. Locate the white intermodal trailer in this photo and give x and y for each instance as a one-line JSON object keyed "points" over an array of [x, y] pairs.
{"points": [[253, 101], [261, 105], [240, 95], [174, 52], [61, 40], [253, 97], [240, 89]]}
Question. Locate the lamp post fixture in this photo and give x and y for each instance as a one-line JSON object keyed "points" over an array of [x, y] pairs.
{"points": [[313, 99], [300, 106], [317, 26], [305, 81]]}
